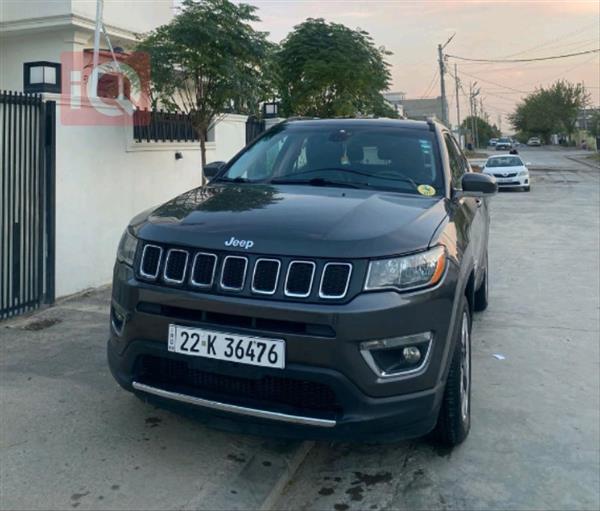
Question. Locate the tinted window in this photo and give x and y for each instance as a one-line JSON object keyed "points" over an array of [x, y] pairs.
{"points": [[457, 163], [504, 161], [362, 156]]}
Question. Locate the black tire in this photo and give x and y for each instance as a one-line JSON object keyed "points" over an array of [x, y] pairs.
{"points": [[527, 188], [480, 298], [454, 420]]}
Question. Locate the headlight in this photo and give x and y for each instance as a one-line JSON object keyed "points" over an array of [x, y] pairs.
{"points": [[523, 172], [408, 272], [127, 248]]}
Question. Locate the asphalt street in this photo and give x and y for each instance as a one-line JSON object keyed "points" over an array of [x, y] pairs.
{"points": [[534, 442], [71, 438]]}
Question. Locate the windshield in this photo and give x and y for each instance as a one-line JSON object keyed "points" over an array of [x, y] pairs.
{"points": [[504, 140], [369, 157], [504, 161]]}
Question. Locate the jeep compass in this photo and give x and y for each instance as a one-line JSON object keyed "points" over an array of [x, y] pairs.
{"points": [[321, 285]]}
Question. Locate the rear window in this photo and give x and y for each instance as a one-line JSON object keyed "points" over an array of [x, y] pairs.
{"points": [[362, 156], [504, 161]]}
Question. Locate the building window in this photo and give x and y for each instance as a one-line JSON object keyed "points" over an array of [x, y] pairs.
{"points": [[41, 76]]}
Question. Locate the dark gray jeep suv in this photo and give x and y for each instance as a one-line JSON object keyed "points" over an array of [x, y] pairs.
{"points": [[321, 285]]}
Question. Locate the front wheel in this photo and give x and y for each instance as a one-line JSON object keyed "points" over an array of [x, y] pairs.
{"points": [[454, 420], [527, 188]]}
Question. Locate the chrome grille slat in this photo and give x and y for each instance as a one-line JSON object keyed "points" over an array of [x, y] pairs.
{"points": [[269, 276], [255, 288], [208, 283], [325, 277], [225, 273], [292, 293], [169, 271], [143, 261]]}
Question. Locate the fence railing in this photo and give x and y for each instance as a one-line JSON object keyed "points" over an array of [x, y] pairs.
{"points": [[159, 126]]}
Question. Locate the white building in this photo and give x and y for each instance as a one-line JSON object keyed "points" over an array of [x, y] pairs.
{"points": [[102, 176]]}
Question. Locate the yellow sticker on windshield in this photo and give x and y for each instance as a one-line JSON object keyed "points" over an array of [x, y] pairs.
{"points": [[426, 190]]}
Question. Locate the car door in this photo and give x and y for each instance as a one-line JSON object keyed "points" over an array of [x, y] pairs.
{"points": [[472, 210]]}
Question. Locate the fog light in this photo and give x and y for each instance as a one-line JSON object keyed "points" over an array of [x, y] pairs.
{"points": [[398, 357], [411, 354]]}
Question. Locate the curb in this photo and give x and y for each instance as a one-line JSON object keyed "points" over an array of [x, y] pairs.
{"points": [[292, 467], [582, 162], [261, 480]]}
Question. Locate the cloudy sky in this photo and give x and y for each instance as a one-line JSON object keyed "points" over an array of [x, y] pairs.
{"points": [[484, 29]]}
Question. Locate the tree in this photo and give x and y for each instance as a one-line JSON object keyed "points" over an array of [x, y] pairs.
{"points": [[208, 60], [551, 110], [328, 70], [485, 130]]}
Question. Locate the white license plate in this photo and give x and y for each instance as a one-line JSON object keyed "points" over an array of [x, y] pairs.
{"points": [[199, 342]]}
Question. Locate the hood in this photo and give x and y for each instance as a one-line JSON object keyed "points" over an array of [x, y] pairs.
{"points": [[295, 220]]}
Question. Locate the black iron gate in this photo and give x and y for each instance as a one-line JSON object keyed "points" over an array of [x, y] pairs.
{"points": [[26, 202]]}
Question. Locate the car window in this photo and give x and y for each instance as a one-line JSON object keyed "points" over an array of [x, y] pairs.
{"points": [[457, 163], [361, 156], [504, 161]]}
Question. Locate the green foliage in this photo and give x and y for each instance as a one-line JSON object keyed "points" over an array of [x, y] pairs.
{"points": [[208, 60], [548, 111], [485, 130], [329, 70]]}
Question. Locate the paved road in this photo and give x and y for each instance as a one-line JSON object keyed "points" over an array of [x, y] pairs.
{"points": [[534, 442], [71, 438], [550, 157]]}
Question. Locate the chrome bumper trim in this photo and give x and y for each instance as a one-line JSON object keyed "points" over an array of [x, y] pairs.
{"points": [[242, 410]]}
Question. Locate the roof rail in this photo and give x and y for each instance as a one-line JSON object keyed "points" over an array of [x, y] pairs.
{"points": [[431, 123], [301, 118]]}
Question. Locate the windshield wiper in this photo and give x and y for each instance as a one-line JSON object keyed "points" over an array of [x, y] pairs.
{"points": [[232, 180], [318, 181]]}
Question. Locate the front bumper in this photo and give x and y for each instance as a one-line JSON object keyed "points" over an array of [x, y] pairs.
{"points": [[512, 182], [325, 353]]}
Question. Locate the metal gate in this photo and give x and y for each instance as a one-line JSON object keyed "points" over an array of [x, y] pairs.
{"points": [[26, 202]]}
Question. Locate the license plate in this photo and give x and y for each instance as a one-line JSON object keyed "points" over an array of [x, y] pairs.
{"points": [[244, 349]]}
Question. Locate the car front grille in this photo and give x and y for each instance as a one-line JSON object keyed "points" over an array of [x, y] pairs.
{"points": [[512, 174], [266, 391], [222, 272]]}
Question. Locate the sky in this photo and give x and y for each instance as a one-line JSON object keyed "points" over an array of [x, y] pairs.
{"points": [[483, 29]]}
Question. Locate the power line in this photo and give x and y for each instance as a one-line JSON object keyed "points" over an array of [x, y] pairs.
{"points": [[554, 41], [553, 57], [431, 84]]}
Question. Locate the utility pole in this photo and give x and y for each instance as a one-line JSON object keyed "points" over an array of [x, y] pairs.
{"points": [[473, 105], [457, 103], [442, 82]]}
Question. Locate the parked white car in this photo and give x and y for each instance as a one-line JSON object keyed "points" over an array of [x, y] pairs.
{"points": [[509, 171]]}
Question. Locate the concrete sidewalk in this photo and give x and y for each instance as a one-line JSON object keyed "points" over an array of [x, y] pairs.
{"points": [[72, 438]]}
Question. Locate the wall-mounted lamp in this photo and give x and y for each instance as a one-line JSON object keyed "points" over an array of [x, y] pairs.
{"points": [[41, 76], [270, 110]]}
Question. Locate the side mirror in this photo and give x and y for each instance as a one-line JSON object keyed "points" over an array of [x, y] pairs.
{"points": [[477, 185], [212, 169]]}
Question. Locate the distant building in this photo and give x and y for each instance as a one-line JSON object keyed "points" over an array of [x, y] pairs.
{"points": [[585, 118], [395, 99], [419, 109]]}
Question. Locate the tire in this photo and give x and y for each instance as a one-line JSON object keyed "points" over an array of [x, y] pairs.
{"points": [[480, 298], [454, 419], [527, 188]]}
